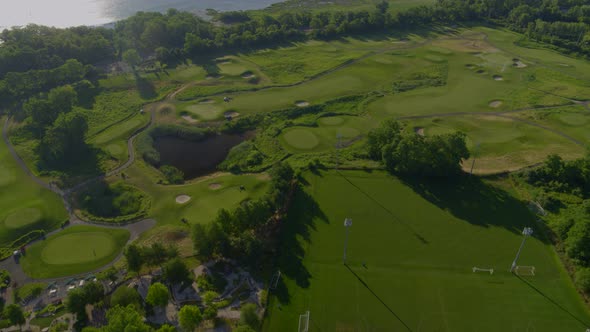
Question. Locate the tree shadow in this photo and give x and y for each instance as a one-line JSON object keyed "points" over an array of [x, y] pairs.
{"points": [[378, 298], [146, 89], [303, 214], [562, 308], [471, 199], [394, 217], [75, 167]]}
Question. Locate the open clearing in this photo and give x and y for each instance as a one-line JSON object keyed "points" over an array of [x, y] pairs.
{"points": [[76, 249], [411, 251]]}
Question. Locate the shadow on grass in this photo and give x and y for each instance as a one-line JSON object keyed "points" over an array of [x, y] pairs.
{"points": [[562, 308], [303, 214], [471, 199], [386, 209], [146, 89], [378, 298]]}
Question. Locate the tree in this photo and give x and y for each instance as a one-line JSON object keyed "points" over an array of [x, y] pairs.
{"points": [[65, 139], [166, 328], [189, 317], [577, 244], [93, 292], [157, 295], [126, 296], [134, 257], [175, 271], [14, 314], [76, 303], [249, 315], [62, 98], [173, 175], [132, 58], [389, 133], [125, 319]]}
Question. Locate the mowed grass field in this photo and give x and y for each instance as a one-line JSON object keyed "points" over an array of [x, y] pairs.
{"points": [[74, 250], [24, 205], [411, 251]]}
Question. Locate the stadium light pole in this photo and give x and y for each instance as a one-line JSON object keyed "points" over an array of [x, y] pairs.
{"points": [[347, 224], [527, 231]]}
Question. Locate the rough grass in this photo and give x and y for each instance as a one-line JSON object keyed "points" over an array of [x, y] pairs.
{"points": [[409, 259], [74, 250]]}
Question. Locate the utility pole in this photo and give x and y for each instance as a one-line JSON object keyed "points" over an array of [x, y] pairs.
{"points": [[527, 231], [347, 224], [474, 157]]}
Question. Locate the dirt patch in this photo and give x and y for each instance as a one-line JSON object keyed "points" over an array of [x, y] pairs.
{"points": [[498, 78], [189, 119], [495, 103], [182, 199], [481, 71], [301, 103], [215, 186], [207, 101], [165, 109], [419, 131], [231, 114]]}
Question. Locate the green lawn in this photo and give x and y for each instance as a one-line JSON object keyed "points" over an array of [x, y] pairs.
{"points": [[419, 243], [75, 250], [24, 205]]}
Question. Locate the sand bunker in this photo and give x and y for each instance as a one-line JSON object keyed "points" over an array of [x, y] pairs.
{"points": [[419, 131], [207, 101], [519, 64], [231, 114], [181, 199], [301, 103], [214, 186], [189, 119], [498, 78], [495, 103], [248, 74]]}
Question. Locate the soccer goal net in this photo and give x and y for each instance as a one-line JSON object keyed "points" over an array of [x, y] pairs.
{"points": [[304, 322], [479, 269], [524, 270]]}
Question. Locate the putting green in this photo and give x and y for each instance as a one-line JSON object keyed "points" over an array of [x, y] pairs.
{"points": [[301, 138], [331, 121], [205, 111], [89, 246], [76, 249], [23, 217]]}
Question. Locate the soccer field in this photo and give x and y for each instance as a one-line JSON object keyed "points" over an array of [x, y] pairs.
{"points": [[410, 256]]}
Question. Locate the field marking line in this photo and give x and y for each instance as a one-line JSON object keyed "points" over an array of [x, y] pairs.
{"points": [[444, 310]]}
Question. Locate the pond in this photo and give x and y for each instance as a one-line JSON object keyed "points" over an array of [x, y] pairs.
{"points": [[195, 159]]}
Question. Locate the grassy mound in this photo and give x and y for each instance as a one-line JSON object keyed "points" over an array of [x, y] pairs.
{"points": [[113, 202], [75, 250], [301, 138]]}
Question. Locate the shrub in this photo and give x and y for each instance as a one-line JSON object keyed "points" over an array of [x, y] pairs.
{"points": [[173, 175], [582, 279]]}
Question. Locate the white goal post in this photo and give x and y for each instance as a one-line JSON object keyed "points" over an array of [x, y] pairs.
{"points": [[304, 322], [524, 270], [275, 279], [479, 269]]}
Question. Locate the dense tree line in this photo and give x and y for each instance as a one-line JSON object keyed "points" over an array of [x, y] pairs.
{"points": [[410, 153], [246, 233]]}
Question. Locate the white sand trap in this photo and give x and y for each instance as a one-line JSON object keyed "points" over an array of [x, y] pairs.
{"points": [[231, 114], [189, 119], [496, 103], [498, 78], [519, 64], [207, 101], [214, 186], [182, 199], [419, 131], [225, 63], [564, 65], [301, 103]]}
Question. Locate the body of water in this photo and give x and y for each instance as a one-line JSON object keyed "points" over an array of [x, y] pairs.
{"points": [[195, 159], [67, 13]]}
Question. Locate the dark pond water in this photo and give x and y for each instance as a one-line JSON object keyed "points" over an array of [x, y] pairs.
{"points": [[195, 158]]}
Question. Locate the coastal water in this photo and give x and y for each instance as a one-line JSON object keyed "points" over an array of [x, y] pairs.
{"points": [[67, 13]]}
